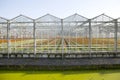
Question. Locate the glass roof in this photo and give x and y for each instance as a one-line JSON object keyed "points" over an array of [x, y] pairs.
{"points": [[101, 18], [3, 20], [118, 19], [21, 18], [75, 17], [48, 18]]}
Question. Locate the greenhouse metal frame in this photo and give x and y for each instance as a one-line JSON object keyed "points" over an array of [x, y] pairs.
{"points": [[50, 36]]}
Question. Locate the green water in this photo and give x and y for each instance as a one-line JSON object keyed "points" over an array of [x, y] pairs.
{"points": [[61, 75]]}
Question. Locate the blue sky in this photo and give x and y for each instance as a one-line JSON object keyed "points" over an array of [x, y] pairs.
{"points": [[59, 8]]}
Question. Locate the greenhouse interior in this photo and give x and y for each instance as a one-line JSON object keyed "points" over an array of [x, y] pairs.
{"points": [[73, 36]]}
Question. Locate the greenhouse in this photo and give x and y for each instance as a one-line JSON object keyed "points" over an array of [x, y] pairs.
{"points": [[50, 36]]}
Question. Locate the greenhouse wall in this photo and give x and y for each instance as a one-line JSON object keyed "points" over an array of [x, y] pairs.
{"points": [[48, 34]]}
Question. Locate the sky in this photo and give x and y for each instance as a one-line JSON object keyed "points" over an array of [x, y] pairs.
{"points": [[59, 8]]}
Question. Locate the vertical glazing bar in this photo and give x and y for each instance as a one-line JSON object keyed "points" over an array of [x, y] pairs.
{"points": [[90, 36], [41, 39], [69, 43], [8, 38], [62, 38], [48, 33], [76, 42], [34, 36], [55, 46], [116, 30]]}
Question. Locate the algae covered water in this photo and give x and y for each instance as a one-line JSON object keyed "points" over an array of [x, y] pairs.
{"points": [[61, 75]]}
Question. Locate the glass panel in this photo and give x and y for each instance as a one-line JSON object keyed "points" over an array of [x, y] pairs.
{"points": [[3, 38], [74, 39], [21, 38], [48, 34], [102, 34]]}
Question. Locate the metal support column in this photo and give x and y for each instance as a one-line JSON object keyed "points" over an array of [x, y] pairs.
{"points": [[90, 36], [8, 38], [62, 38], [116, 40], [34, 36]]}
